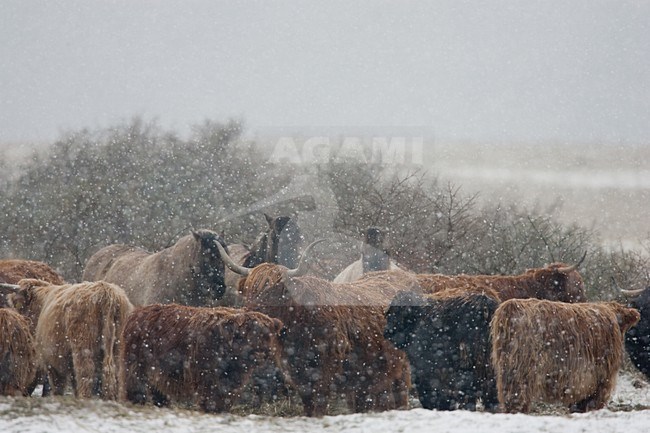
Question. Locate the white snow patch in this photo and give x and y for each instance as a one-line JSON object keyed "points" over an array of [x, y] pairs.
{"points": [[629, 412]]}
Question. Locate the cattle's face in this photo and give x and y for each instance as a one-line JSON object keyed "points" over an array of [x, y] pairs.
{"points": [[374, 237], [283, 241], [25, 299], [265, 285], [625, 316], [555, 284], [210, 272], [254, 340], [402, 317]]}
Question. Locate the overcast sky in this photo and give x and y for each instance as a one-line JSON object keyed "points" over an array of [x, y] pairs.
{"points": [[574, 71]]}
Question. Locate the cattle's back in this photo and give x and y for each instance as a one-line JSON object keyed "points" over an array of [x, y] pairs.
{"points": [[557, 345], [433, 283], [102, 262], [148, 278], [354, 271], [372, 289], [14, 270], [79, 309]]}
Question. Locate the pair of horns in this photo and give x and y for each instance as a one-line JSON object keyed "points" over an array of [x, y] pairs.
{"points": [[572, 268], [244, 271]]}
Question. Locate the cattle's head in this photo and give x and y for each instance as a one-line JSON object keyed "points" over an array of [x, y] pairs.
{"points": [[639, 299], [209, 271], [625, 316], [402, 317], [267, 284], [253, 336], [374, 236], [559, 282], [373, 255], [26, 299], [283, 241], [6, 290]]}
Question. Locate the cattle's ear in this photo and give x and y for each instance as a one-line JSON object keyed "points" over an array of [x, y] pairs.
{"points": [[277, 326], [269, 219]]}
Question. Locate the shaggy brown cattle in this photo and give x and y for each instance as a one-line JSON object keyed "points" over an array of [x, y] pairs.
{"points": [[332, 332], [555, 282], [12, 271], [76, 331], [190, 272], [194, 354], [558, 353], [17, 354]]}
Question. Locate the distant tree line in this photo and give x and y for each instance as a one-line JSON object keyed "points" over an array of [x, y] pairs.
{"points": [[136, 183]]}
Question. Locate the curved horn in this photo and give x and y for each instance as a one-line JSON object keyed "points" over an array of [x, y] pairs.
{"points": [[632, 293], [567, 269], [10, 286], [302, 269], [241, 270]]}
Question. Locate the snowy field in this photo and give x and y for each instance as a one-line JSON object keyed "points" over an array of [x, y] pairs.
{"points": [[628, 412]]}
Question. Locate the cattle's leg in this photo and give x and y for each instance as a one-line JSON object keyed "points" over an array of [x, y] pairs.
{"points": [[40, 377], [314, 400], [514, 404], [47, 387], [401, 390], [159, 399], [84, 372], [597, 400], [58, 381], [98, 379], [135, 381], [489, 396], [213, 398]]}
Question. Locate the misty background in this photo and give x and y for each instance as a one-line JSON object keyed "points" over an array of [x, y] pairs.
{"points": [[545, 103], [537, 71]]}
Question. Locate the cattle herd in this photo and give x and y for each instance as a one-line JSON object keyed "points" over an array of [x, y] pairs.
{"points": [[200, 321]]}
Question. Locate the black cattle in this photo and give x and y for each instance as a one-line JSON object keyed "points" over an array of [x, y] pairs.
{"points": [[637, 339], [446, 339]]}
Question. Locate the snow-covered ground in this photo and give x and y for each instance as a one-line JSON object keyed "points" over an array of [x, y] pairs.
{"points": [[628, 412]]}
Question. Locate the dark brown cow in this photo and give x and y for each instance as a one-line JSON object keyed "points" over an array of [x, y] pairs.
{"points": [[196, 355], [76, 331], [190, 272], [334, 331], [555, 282], [17, 354], [558, 353]]}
